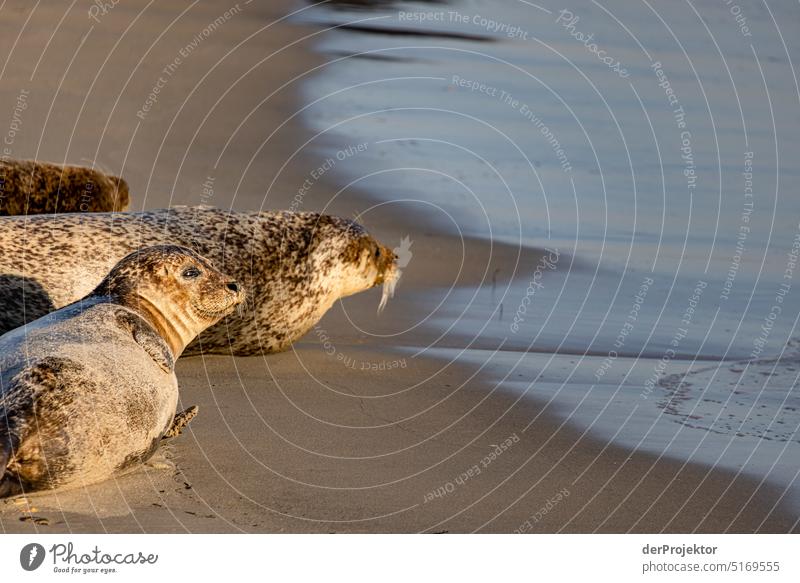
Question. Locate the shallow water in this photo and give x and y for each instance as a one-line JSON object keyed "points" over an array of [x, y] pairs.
{"points": [[732, 421], [664, 184]]}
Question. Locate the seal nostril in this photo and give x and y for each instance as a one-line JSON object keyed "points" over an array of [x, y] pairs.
{"points": [[233, 286]]}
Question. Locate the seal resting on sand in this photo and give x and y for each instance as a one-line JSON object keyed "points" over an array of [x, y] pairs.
{"points": [[294, 266], [30, 187], [89, 391]]}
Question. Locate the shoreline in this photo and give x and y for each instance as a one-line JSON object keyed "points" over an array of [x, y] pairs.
{"points": [[300, 442], [402, 472]]}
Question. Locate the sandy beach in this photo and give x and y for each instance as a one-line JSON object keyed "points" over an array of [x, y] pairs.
{"points": [[358, 428]]}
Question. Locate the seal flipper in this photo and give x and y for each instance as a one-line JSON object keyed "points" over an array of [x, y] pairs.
{"points": [[155, 346], [180, 421], [144, 335], [9, 485]]}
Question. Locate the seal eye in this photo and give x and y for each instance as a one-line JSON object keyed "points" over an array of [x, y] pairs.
{"points": [[191, 273]]}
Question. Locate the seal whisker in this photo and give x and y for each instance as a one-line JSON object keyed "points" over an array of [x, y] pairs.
{"points": [[389, 285], [241, 309]]}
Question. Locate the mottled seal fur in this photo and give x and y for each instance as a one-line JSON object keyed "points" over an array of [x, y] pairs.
{"points": [[89, 390], [293, 265], [30, 187]]}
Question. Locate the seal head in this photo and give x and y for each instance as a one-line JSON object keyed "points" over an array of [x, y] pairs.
{"points": [[351, 258], [174, 289]]}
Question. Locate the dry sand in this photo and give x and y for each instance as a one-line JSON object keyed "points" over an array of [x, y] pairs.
{"points": [[307, 441]]}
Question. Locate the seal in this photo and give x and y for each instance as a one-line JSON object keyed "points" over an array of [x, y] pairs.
{"points": [[30, 187], [89, 390], [294, 265]]}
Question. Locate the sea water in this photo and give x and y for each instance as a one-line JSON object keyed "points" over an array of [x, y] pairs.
{"points": [[643, 155]]}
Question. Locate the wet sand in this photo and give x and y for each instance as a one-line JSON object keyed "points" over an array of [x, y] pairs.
{"points": [[347, 432]]}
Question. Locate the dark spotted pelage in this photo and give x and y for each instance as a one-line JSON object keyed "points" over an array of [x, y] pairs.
{"points": [[294, 266], [29, 187], [89, 390]]}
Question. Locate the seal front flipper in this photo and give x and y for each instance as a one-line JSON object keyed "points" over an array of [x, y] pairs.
{"points": [[144, 335], [154, 346], [9, 485], [180, 421], [11, 431]]}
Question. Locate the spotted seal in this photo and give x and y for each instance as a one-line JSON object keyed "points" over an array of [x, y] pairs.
{"points": [[30, 187], [294, 265], [89, 390]]}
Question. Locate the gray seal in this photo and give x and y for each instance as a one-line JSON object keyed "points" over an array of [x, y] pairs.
{"points": [[30, 187], [89, 390], [294, 265]]}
